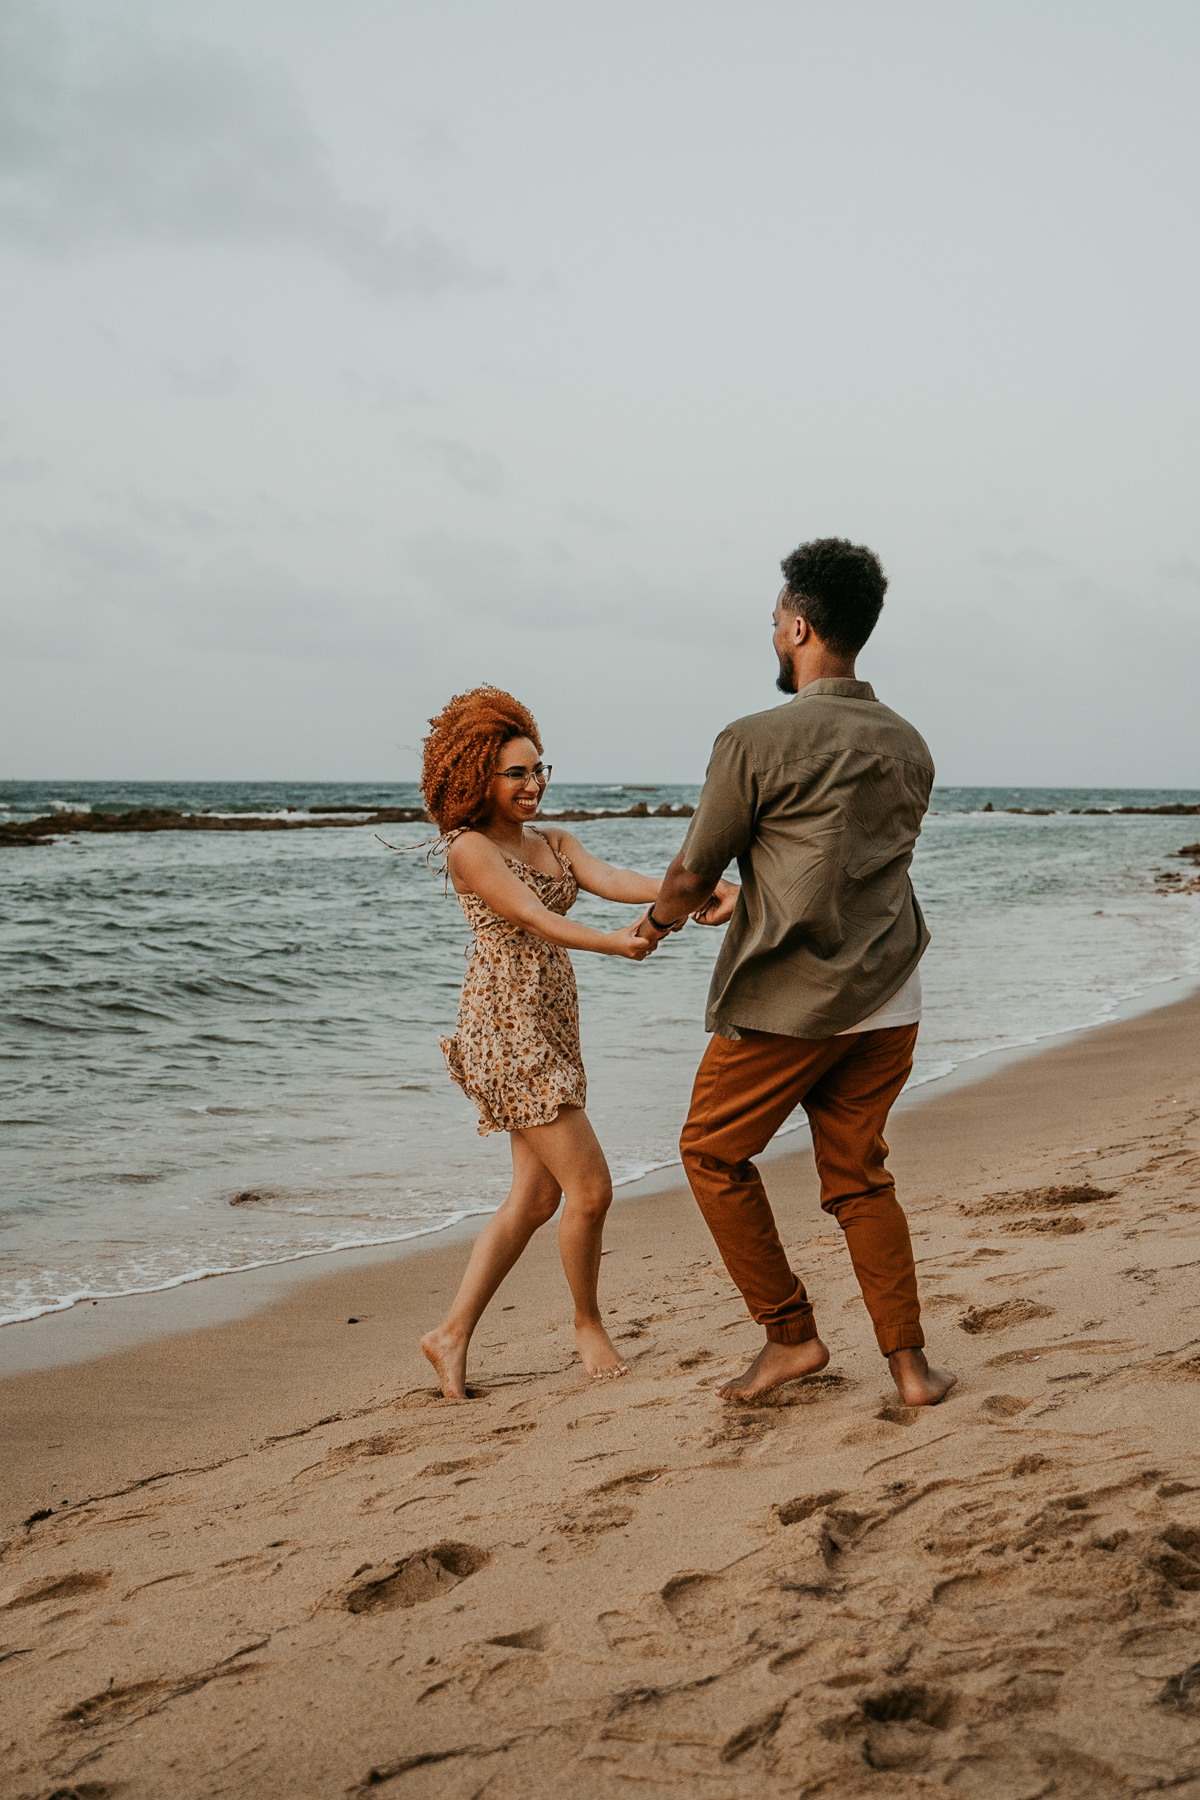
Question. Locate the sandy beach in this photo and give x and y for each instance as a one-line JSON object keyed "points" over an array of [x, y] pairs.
{"points": [[243, 1560]]}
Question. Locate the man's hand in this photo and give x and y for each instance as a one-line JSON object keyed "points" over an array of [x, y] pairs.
{"points": [[719, 910], [645, 930], [680, 894]]}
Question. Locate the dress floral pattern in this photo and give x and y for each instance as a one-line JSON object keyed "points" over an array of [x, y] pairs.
{"points": [[515, 1050]]}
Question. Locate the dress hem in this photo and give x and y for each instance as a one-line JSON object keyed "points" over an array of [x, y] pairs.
{"points": [[489, 1122]]}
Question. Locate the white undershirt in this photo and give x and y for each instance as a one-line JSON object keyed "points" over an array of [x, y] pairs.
{"points": [[904, 1008]]}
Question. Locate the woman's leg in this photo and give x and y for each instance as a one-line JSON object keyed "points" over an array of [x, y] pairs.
{"points": [[532, 1199], [570, 1151]]}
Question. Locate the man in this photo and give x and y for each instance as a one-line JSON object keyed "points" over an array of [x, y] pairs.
{"points": [[816, 996]]}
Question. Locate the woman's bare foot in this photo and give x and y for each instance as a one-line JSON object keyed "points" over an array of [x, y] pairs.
{"points": [[448, 1354], [774, 1364], [596, 1351], [919, 1385]]}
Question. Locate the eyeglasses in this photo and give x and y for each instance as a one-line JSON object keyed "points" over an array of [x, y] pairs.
{"points": [[540, 772]]}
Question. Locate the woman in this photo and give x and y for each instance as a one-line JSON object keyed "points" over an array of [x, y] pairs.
{"points": [[516, 1048]]}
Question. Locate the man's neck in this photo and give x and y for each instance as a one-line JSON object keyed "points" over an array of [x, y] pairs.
{"points": [[813, 662]]}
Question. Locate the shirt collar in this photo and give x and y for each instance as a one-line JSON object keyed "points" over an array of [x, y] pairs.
{"points": [[841, 685]]}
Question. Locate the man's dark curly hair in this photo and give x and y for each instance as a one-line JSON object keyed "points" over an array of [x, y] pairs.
{"points": [[838, 587]]}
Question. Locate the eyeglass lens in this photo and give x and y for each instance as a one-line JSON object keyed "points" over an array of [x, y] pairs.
{"points": [[541, 773]]}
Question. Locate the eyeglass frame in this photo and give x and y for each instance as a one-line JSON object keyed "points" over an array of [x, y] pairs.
{"points": [[540, 773]]}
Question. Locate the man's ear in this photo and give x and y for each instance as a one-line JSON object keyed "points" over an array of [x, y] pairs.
{"points": [[803, 630]]}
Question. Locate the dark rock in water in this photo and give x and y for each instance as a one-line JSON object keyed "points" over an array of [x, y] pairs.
{"points": [[320, 818], [577, 815], [1176, 809], [166, 818]]}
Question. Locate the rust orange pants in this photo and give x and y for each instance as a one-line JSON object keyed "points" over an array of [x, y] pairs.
{"points": [[745, 1089]]}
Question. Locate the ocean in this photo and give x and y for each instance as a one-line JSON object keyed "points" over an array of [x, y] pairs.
{"points": [[220, 1049]]}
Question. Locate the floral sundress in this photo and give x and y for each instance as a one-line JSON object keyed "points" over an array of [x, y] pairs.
{"points": [[515, 1050]]}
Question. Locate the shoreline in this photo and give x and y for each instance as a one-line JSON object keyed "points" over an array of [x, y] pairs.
{"points": [[266, 1556], [78, 1344], [219, 1296]]}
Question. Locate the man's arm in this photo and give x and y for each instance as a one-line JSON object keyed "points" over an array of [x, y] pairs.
{"points": [[721, 828], [681, 893]]}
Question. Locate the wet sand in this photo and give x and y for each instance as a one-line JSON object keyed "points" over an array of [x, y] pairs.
{"points": [[275, 1561]]}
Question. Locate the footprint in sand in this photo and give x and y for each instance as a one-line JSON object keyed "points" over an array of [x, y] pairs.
{"points": [[384, 1443], [902, 1724], [592, 1521], [638, 1479], [793, 1512], [58, 1587], [416, 1398], [1003, 1317], [425, 1575], [1066, 1226], [894, 1412], [115, 1705], [698, 1603], [1004, 1406], [534, 1637], [137, 1699], [598, 1511], [587, 1421], [739, 1433], [1043, 1199], [457, 1464]]}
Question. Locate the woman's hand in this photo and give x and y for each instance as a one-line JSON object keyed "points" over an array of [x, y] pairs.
{"points": [[719, 910], [626, 942]]}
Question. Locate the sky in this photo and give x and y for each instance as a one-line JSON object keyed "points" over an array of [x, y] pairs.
{"points": [[358, 353]]}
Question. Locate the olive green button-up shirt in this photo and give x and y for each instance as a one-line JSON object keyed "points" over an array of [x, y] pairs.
{"points": [[820, 801]]}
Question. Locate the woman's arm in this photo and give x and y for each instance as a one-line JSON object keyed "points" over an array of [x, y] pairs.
{"points": [[477, 867], [602, 878]]}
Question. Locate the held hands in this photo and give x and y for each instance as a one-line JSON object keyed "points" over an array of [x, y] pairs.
{"points": [[719, 909], [654, 938], [627, 942]]}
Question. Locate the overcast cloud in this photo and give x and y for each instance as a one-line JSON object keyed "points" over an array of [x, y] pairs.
{"points": [[360, 353]]}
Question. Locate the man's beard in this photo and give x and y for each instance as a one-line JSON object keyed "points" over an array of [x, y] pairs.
{"points": [[786, 679]]}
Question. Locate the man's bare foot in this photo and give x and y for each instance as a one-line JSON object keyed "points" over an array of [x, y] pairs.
{"points": [[596, 1351], [919, 1385], [774, 1364], [448, 1354]]}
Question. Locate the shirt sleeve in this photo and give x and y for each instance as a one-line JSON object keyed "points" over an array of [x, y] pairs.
{"points": [[722, 826]]}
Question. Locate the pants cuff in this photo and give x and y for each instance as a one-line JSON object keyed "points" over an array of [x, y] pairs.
{"points": [[792, 1331], [907, 1339]]}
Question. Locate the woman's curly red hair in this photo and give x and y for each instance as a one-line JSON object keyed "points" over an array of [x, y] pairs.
{"points": [[462, 752]]}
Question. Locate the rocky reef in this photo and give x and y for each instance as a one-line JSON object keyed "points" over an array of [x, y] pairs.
{"points": [[164, 818]]}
